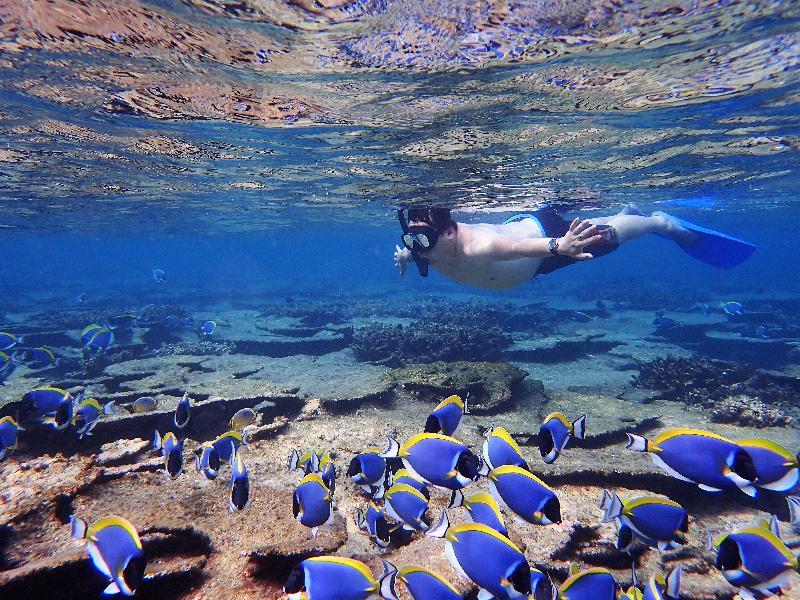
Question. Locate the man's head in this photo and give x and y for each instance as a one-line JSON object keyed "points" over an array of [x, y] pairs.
{"points": [[427, 229]]}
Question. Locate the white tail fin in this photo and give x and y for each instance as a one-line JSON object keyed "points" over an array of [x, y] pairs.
{"points": [[579, 428], [294, 460], [78, 527], [488, 431], [634, 577], [774, 527], [605, 502], [709, 541], [392, 448], [456, 499], [440, 529], [794, 512], [388, 581], [360, 519], [108, 408], [466, 404], [614, 509], [156, 441], [636, 442], [674, 582], [314, 461]]}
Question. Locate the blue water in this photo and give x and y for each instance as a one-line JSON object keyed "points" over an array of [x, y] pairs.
{"points": [[257, 152]]}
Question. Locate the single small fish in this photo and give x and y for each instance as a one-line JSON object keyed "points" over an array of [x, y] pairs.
{"points": [[312, 504], [9, 430], [555, 434], [81, 298], [207, 462], [368, 470], [374, 523], [172, 451], [115, 550], [420, 583], [661, 588], [242, 418], [181, 418], [329, 578], [89, 331], [407, 505], [581, 317], [591, 584], [710, 461], [755, 559], [63, 414], [172, 322], [228, 444], [159, 275], [490, 560], [240, 485], [36, 358], [500, 449], [437, 459], [446, 417], [144, 404], [525, 495], [665, 322], [9, 340], [45, 400], [100, 340], [122, 322], [482, 509], [732, 309], [658, 522], [706, 309], [88, 413], [7, 367], [762, 332], [776, 467], [206, 328]]}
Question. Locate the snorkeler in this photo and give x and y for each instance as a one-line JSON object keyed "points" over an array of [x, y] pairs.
{"points": [[504, 256]]}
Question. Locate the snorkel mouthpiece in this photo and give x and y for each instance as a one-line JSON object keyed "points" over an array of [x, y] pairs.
{"points": [[422, 263]]}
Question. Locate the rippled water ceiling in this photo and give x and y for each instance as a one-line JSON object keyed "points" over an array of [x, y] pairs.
{"points": [[130, 107]]}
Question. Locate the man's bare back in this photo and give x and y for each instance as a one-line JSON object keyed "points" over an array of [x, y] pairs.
{"points": [[472, 265]]}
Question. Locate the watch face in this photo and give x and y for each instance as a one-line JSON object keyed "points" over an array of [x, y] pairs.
{"points": [[553, 245]]}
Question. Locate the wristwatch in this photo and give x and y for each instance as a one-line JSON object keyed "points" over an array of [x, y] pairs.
{"points": [[553, 246]]}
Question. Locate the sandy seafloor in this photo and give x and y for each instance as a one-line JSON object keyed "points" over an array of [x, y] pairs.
{"points": [[295, 360]]}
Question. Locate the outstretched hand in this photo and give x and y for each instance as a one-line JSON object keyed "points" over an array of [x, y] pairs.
{"points": [[402, 256], [574, 242]]}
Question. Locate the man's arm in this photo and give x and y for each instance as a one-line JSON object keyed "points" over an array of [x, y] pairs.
{"points": [[571, 244]]}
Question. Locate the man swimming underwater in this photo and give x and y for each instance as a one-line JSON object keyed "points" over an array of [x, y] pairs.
{"points": [[499, 257]]}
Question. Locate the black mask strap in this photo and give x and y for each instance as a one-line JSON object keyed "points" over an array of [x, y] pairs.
{"points": [[422, 263]]}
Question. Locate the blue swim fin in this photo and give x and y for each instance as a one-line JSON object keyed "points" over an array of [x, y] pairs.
{"points": [[716, 248]]}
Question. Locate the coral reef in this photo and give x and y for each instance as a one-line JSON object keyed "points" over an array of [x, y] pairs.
{"points": [[200, 348], [490, 386], [736, 393], [428, 342]]}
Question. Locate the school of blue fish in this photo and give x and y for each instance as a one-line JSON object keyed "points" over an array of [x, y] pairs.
{"points": [[399, 479]]}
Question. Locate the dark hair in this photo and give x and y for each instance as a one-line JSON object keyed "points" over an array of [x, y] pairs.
{"points": [[436, 216]]}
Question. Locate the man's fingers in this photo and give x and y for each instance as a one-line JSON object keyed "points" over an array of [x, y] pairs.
{"points": [[584, 256], [574, 224], [591, 240]]}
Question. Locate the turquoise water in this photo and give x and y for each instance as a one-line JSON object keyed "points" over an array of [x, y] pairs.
{"points": [[257, 153]]}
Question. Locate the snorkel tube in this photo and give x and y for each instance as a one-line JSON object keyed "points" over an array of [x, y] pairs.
{"points": [[422, 263]]}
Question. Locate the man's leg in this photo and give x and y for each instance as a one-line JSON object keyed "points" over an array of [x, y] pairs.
{"points": [[632, 223]]}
